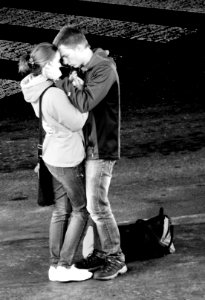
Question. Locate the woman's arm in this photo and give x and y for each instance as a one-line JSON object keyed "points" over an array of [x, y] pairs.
{"points": [[59, 107]]}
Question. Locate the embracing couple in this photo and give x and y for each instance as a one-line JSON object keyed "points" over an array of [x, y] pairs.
{"points": [[81, 119]]}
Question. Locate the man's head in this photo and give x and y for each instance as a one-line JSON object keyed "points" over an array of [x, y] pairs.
{"points": [[73, 46]]}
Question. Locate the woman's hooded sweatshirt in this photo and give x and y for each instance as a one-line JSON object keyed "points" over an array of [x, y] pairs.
{"points": [[63, 145]]}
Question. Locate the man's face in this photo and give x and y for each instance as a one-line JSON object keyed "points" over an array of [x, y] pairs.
{"points": [[71, 56]]}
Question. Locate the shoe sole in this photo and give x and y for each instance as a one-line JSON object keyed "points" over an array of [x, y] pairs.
{"points": [[120, 272], [88, 276], [74, 280], [52, 279], [57, 279]]}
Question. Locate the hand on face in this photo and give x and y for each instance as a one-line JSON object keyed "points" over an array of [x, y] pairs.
{"points": [[51, 71]]}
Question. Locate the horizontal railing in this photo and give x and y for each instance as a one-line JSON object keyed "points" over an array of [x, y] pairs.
{"points": [[116, 12]]}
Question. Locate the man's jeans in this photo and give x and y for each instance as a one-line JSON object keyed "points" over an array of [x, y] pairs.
{"points": [[70, 216], [98, 178]]}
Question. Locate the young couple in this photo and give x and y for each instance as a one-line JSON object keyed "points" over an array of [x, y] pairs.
{"points": [[81, 118]]}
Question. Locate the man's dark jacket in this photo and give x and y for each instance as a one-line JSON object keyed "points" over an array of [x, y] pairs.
{"points": [[100, 96]]}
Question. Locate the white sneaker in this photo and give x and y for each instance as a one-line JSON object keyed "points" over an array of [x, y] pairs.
{"points": [[52, 273], [72, 274]]}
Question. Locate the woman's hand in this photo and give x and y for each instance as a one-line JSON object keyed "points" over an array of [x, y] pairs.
{"points": [[36, 169], [51, 71]]}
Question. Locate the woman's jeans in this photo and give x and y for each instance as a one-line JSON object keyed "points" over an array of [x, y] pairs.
{"points": [[98, 178], [70, 216]]}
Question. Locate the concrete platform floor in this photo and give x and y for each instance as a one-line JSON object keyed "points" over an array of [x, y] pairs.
{"points": [[178, 276], [139, 187]]}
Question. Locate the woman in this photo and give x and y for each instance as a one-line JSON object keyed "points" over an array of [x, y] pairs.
{"points": [[63, 153]]}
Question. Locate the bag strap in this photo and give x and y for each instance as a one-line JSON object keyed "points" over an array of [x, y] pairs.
{"points": [[40, 131]]}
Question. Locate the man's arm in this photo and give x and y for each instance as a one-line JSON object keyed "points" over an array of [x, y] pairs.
{"points": [[94, 89]]}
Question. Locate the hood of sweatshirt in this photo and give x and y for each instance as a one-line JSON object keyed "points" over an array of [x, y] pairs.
{"points": [[99, 55], [32, 87]]}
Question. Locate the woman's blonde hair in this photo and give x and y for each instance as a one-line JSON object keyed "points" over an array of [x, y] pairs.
{"points": [[37, 59]]}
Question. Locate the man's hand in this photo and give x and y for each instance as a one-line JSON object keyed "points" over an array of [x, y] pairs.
{"points": [[76, 81]]}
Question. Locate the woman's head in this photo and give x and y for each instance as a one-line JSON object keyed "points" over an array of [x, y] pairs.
{"points": [[40, 56]]}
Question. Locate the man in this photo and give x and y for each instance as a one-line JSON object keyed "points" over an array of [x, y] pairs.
{"points": [[96, 91]]}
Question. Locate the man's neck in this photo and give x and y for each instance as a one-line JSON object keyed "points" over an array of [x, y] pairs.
{"points": [[88, 56]]}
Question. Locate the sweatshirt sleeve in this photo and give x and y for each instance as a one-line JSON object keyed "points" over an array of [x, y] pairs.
{"points": [[59, 107], [96, 87]]}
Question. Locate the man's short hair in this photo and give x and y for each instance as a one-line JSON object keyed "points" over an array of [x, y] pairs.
{"points": [[70, 36]]}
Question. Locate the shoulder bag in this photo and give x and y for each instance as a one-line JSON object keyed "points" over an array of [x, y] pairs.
{"points": [[45, 195]]}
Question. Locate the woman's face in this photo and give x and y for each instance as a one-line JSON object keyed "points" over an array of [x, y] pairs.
{"points": [[53, 67]]}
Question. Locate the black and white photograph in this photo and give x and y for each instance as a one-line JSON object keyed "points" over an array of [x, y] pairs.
{"points": [[102, 150]]}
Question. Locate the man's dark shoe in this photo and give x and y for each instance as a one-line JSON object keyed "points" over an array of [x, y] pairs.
{"points": [[111, 269], [91, 263]]}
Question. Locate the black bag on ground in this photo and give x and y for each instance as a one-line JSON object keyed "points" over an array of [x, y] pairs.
{"points": [[146, 239], [45, 195]]}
